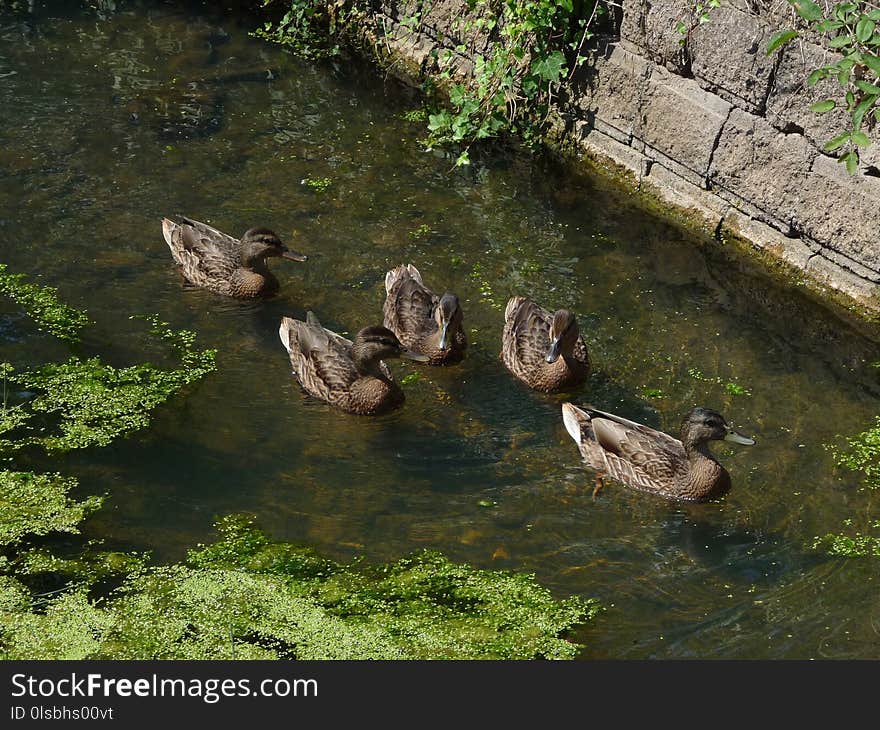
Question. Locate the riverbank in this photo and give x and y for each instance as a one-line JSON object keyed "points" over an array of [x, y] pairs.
{"points": [[715, 131]]}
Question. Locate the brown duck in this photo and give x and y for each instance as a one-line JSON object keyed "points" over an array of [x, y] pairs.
{"points": [[545, 350], [214, 260], [650, 460], [423, 321], [349, 375]]}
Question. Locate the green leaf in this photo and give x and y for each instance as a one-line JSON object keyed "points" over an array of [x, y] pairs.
{"points": [[861, 110], [852, 162], [864, 29], [816, 76], [828, 25], [868, 88], [808, 10], [439, 121], [874, 15], [820, 107], [840, 41], [872, 62], [779, 39], [850, 100], [861, 139], [842, 11], [550, 68], [838, 141]]}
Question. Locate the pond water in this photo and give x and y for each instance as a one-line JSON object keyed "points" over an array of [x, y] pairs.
{"points": [[112, 120]]}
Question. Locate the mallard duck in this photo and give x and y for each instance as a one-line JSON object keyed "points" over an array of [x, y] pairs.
{"points": [[346, 374], [214, 260], [543, 349], [644, 458], [421, 320]]}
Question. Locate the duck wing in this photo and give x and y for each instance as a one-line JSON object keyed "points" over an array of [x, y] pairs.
{"points": [[409, 304], [526, 336], [321, 359], [206, 255], [636, 453], [197, 235]]}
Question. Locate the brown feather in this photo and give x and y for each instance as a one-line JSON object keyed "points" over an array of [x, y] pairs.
{"points": [[409, 312], [212, 259], [525, 342], [323, 365], [644, 458]]}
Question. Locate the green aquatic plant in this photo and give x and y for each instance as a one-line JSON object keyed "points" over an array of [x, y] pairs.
{"points": [[241, 597], [248, 597], [731, 387], [39, 504], [859, 453], [850, 546], [318, 184], [420, 232], [86, 402], [43, 306]]}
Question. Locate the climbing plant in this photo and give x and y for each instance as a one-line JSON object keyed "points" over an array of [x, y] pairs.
{"points": [[851, 30], [536, 44]]}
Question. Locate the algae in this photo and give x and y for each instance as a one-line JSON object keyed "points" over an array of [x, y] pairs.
{"points": [[241, 597]]}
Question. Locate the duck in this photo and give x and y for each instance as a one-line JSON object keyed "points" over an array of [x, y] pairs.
{"points": [[350, 375], [423, 321], [223, 264], [650, 460], [543, 349]]}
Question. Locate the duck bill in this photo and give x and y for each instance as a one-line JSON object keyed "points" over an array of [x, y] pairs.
{"points": [[286, 253], [553, 352], [444, 336], [738, 438], [417, 356]]}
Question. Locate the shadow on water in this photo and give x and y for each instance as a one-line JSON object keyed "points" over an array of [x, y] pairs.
{"points": [[116, 120]]}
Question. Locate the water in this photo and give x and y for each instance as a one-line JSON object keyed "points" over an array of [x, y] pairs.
{"points": [[110, 122]]}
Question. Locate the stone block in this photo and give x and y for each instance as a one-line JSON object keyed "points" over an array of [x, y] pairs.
{"points": [[604, 147], [795, 251], [616, 88], [839, 211], [677, 191], [830, 273], [729, 56], [765, 168], [632, 25], [679, 123], [662, 41], [788, 105]]}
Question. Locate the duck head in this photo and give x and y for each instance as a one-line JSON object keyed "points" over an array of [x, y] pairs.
{"points": [[258, 244], [448, 316], [564, 333], [375, 343], [704, 424]]}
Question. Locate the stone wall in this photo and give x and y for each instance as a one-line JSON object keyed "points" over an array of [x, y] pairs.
{"points": [[714, 126]]}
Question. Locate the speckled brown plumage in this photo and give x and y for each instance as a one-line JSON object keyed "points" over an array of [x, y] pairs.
{"points": [[414, 313], [230, 266], [347, 374], [652, 461], [525, 343]]}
